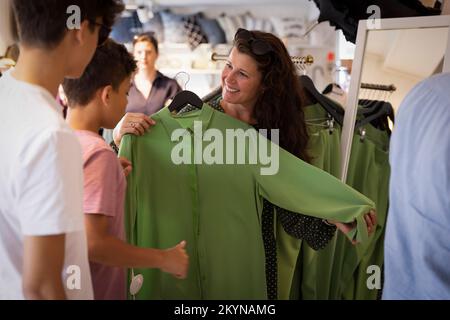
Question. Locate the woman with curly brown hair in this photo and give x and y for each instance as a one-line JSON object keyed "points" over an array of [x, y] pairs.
{"points": [[260, 87]]}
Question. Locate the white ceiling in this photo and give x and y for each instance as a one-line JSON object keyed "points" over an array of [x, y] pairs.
{"points": [[416, 52]]}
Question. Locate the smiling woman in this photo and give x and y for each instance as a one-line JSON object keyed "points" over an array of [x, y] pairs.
{"points": [[260, 86]]}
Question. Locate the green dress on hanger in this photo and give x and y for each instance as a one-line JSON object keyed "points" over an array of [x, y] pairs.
{"points": [[217, 208], [339, 271], [318, 272], [369, 173]]}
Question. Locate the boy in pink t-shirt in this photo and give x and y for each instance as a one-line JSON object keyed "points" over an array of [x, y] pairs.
{"points": [[98, 100]]}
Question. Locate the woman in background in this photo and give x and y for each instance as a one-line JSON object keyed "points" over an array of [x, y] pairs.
{"points": [[151, 89], [149, 92]]}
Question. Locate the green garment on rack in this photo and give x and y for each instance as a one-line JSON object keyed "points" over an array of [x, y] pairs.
{"points": [[318, 272], [323, 147], [369, 173], [339, 270], [217, 208]]}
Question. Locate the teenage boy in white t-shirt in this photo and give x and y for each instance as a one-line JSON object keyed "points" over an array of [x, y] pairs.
{"points": [[43, 252]]}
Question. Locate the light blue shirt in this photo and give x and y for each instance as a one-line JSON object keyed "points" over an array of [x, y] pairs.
{"points": [[417, 243]]}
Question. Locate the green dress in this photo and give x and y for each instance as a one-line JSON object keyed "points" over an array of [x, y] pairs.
{"points": [[283, 245], [339, 271], [369, 173], [318, 273], [217, 208]]}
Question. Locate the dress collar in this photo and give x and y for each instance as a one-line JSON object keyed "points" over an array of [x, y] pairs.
{"points": [[171, 124]]}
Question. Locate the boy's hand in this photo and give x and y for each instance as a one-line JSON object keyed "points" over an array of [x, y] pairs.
{"points": [[176, 261], [126, 165], [133, 123]]}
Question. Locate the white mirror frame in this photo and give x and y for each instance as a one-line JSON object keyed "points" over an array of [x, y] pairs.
{"points": [[361, 42]]}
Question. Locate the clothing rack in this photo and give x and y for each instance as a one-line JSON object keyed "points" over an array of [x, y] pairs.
{"points": [[218, 57], [306, 60], [301, 63], [378, 87], [297, 60]]}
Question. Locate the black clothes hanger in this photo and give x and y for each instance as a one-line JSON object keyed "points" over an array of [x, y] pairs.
{"points": [[369, 106], [329, 88], [379, 117], [184, 98], [329, 105]]}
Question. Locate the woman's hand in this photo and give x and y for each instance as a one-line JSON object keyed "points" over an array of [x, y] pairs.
{"points": [[371, 222], [133, 123]]}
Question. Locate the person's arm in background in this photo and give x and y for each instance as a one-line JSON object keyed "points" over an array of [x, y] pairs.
{"points": [[109, 250], [43, 260]]}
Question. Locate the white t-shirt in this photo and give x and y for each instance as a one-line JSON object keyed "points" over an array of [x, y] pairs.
{"points": [[41, 186]]}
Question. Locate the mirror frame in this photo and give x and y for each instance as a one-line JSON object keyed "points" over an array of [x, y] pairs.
{"points": [[361, 42]]}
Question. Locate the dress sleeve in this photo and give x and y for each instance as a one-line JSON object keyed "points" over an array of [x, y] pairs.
{"points": [[297, 186]]}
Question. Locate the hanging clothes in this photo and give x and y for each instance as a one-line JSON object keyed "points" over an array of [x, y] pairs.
{"points": [[318, 273], [217, 208], [345, 14], [369, 173], [340, 270]]}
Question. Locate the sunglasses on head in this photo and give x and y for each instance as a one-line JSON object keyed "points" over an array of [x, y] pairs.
{"points": [[103, 33], [258, 47]]}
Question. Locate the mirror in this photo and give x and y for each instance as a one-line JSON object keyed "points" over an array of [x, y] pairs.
{"points": [[401, 58], [402, 52]]}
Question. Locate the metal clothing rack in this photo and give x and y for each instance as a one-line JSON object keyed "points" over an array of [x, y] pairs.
{"points": [[297, 60], [218, 57], [302, 62], [378, 87]]}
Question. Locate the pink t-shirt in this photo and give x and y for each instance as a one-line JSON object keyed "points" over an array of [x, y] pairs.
{"points": [[104, 194]]}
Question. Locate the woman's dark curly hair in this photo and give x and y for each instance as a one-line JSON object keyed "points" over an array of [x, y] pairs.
{"points": [[280, 103]]}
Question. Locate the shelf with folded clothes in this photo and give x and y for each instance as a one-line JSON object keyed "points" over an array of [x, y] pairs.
{"points": [[197, 28]]}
